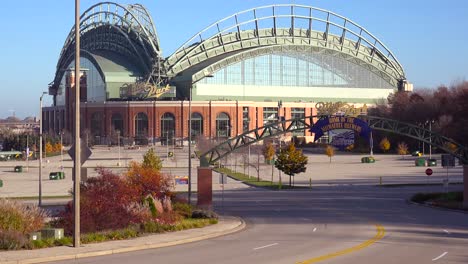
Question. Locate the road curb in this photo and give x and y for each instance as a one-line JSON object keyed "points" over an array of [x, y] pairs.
{"points": [[408, 201], [241, 225]]}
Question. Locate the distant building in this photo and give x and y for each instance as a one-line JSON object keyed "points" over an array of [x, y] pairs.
{"points": [[16, 125], [242, 72]]}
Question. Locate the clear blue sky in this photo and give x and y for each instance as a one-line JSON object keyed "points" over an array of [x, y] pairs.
{"points": [[429, 37]]}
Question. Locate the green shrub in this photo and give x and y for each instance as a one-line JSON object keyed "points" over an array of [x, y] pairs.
{"points": [[152, 206], [451, 196], [120, 234], [183, 209], [93, 238], [422, 197], [12, 239], [152, 227], [43, 243]]}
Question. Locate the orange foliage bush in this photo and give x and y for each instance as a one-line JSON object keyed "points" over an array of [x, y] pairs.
{"points": [[149, 181], [107, 202]]}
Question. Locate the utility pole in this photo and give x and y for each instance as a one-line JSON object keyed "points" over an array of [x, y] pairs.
{"points": [[77, 162], [190, 146], [430, 139], [118, 142], [27, 152], [40, 149], [61, 151], [248, 163]]}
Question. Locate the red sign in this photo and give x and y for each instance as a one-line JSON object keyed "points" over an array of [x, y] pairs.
{"points": [[429, 172]]}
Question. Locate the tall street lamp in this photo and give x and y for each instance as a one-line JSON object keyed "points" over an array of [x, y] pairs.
{"points": [[40, 148], [77, 160], [430, 137], [190, 147], [61, 150]]}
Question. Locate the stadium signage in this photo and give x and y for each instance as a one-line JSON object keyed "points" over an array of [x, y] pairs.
{"points": [[146, 91], [340, 108], [340, 122]]}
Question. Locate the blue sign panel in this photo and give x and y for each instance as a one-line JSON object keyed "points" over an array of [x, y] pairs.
{"points": [[340, 122]]}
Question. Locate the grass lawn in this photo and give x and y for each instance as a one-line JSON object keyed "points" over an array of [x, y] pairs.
{"points": [[252, 181], [450, 200]]}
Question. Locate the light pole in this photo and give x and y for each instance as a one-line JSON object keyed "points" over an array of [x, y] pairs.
{"points": [[61, 151], [118, 142], [27, 152], [40, 148], [280, 105], [248, 163], [190, 146], [430, 138], [77, 161]]}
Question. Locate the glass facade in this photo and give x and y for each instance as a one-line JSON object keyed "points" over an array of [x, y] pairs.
{"points": [[117, 123], [197, 125], [297, 69], [141, 125], [96, 124], [223, 127], [245, 119], [167, 128], [298, 113], [96, 87], [270, 115]]}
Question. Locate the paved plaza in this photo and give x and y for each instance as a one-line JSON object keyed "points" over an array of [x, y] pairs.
{"points": [[344, 169]]}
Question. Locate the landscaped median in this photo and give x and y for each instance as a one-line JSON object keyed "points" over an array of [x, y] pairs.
{"points": [[449, 200], [252, 181], [113, 207], [226, 225]]}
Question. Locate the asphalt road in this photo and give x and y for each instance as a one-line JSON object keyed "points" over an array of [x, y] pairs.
{"points": [[329, 224]]}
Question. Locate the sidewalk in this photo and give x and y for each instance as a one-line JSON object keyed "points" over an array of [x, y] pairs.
{"points": [[226, 225]]}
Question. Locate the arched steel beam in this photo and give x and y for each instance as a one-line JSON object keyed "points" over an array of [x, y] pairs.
{"points": [[125, 16], [233, 33], [251, 53], [145, 16], [69, 56], [297, 124], [134, 23], [88, 28]]}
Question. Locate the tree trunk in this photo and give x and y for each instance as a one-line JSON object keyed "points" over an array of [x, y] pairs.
{"points": [[289, 180], [272, 168]]}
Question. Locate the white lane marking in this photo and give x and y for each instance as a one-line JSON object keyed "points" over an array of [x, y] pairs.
{"points": [[439, 257], [315, 229], [448, 233], [270, 245], [305, 219]]}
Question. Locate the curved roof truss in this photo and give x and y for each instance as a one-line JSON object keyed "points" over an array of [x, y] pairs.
{"points": [[279, 25], [251, 53], [110, 26]]}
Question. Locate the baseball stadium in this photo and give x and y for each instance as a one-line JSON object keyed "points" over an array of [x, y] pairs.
{"points": [[244, 71]]}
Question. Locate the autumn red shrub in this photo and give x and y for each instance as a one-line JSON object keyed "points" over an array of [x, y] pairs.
{"points": [[149, 181], [107, 202]]}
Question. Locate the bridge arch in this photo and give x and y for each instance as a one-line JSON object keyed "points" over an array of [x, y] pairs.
{"points": [[296, 124]]}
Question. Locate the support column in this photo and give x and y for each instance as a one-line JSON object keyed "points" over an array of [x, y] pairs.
{"points": [[465, 186], [204, 187]]}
